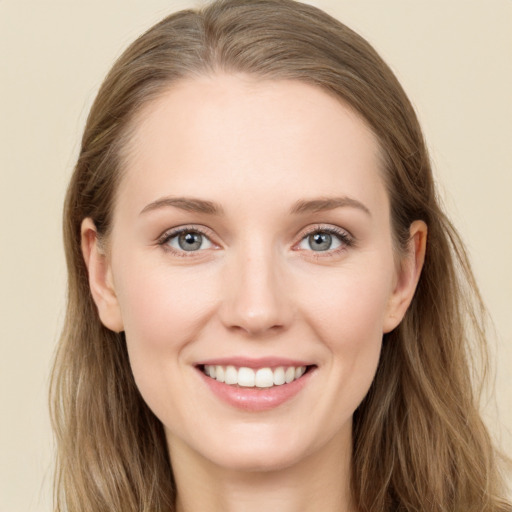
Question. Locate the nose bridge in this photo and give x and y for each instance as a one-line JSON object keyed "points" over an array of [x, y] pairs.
{"points": [[256, 300]]}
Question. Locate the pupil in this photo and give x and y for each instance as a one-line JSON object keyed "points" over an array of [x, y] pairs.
{"points": [[190, 241], [320, 241]]}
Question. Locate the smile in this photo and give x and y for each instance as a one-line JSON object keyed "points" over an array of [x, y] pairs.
{"points": [[254, 377], [256, 385]]}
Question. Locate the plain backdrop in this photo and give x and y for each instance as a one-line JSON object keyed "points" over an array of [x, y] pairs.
{"points": [[453, 57]]}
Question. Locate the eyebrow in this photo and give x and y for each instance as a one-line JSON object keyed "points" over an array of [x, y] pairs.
{"points": [[327, 203], [185, 203], [210, 208]]}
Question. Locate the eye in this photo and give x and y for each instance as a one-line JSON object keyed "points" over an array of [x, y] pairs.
{"points": [[324, 240], [187, 240]]}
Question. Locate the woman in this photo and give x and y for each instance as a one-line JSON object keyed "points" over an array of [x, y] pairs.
{"points": [[267, 307]]}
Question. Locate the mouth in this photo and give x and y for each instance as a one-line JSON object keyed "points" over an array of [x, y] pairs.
{"points": [[263, 378]]}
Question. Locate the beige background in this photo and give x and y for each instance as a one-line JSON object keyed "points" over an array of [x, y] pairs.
{"points": [[454, 58]]}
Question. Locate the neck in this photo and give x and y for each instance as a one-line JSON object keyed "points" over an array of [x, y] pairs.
{"points": [[320, 481]]}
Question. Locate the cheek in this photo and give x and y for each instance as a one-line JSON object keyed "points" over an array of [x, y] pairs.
{"points": [[163, 311], [348, 316], [161, 307], [349, 307]]}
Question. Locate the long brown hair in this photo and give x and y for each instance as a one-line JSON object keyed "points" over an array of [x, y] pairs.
{"points": [[419, 441]]}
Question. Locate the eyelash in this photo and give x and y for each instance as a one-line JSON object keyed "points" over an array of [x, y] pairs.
{"points": [[164, 239], [344, 237]]}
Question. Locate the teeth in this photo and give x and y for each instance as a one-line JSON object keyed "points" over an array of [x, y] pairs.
{"points": [[264, 378], [246, 377], [289, 375], [249, 378], [299, 372], [278, 376], [231, 375]]}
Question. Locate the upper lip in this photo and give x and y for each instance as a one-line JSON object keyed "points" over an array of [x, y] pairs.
{"points": [[249, 362]]}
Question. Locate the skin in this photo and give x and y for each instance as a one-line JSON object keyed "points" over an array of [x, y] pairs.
{"points": [[255, 288]]}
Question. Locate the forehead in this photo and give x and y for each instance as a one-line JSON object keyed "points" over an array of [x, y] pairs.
{"points": [[251, 134]]}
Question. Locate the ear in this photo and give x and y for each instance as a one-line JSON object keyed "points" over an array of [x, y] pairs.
{"points": [[100, 277], [408, 276]]}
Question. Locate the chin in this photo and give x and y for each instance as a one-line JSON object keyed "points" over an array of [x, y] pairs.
{"points": [[260, 453], [259, 461]]}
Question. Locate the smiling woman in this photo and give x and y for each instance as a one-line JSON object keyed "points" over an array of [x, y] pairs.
{"points": [[280, 280], [266, 304]]}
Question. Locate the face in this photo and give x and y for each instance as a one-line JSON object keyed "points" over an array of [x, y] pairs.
{"points": [[251, 241]]}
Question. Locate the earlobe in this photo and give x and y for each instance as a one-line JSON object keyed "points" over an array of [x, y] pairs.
{"points": [[100, 277], [408, 276]]}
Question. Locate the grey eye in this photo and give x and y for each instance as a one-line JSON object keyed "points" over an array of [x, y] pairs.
{"points": [[189, 241], [320, 241]]}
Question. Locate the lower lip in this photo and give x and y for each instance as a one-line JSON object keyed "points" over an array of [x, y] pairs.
{"points": [[256, 399]]}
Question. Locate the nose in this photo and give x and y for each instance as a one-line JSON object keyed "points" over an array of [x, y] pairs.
{"points": [[256, 299]]}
